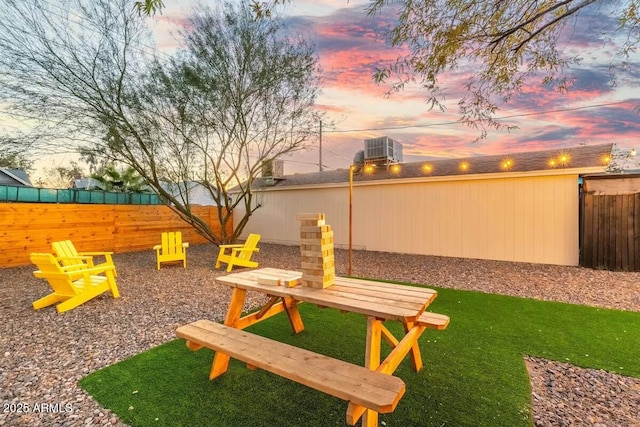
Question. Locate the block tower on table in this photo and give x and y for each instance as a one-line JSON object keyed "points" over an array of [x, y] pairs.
{"points": [[316, 251]]}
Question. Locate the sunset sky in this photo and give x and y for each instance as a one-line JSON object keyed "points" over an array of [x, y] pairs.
{"points": [[593, 112], [349, 49]]}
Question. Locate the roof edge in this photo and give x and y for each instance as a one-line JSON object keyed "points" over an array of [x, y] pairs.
{"points": [[20, 180], [444, 178]]}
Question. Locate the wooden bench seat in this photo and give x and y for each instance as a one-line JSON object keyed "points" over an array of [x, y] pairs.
{"points": [[356, 384], [434, 320]]}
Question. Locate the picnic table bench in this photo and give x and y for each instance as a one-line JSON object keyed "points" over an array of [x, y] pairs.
{"points": [[344, 380]]}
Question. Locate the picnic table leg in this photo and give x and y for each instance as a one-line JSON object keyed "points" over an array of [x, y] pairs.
{"points": [[416, 356], [221, 360], [372, 361], [291, 306]]}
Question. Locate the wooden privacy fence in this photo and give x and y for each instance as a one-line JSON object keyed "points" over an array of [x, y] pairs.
{"points": [[31, 227], [610, 231]]}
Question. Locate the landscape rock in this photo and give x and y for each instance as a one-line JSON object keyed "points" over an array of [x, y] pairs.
{"points": [[46, 353]]}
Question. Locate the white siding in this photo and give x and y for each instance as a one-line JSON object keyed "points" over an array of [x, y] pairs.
{"points": [[528, 218]]}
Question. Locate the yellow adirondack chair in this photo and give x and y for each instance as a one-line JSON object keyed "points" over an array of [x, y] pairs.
{"points": [[72, 285], [66, 251], [171, 249], [240, 254]]}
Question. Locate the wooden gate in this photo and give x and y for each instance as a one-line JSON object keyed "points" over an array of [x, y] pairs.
{"points": [[610, 223]]}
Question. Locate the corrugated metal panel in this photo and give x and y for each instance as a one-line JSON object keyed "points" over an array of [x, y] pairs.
{"points": [[527, 219]]}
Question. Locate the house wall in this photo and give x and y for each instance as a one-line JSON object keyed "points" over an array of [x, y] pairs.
{"points": [[513, 218], [199, 195], [32, 227]]}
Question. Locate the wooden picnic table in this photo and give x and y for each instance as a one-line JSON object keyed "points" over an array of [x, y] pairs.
{"points": [[378, 301]]}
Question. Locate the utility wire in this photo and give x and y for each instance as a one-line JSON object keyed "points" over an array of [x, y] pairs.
{"points": [[537, 113], [495, 118]]}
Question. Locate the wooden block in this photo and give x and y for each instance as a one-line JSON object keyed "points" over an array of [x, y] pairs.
{"points": [[291, 282], [325, 253], [312, 223], [329, 263], [318, 284], [310, 216], [265, 280], [318, 277], [316, 247], [312, 259], [317, 241], [315, 228], [317, 235]]}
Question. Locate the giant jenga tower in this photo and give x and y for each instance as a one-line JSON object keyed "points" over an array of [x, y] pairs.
{"points": [[316, 251]]}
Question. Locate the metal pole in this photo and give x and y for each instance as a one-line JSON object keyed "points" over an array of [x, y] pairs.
{"points": [[350, 214]]}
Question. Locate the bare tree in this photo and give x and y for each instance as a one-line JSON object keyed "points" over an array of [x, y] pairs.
{"points": [[13, 154], [60, 176], [238, 93]]}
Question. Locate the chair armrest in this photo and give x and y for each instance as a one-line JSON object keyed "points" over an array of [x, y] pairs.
{"points": [[79, 264], [74, 268], [236, 250], [96, 253], [230, 246], [157, 247], [185, 245], [80, 258], [85, 272]]}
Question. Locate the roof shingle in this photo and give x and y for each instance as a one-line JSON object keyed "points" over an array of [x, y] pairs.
{"points": [[576, 158]]}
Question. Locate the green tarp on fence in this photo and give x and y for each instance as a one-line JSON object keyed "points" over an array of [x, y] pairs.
{"points": [[9, 193]]}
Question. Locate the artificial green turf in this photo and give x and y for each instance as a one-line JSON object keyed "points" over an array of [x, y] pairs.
{"points": [[474, 373]]}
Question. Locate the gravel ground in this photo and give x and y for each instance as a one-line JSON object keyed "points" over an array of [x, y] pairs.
{"points": [[44, 354]]}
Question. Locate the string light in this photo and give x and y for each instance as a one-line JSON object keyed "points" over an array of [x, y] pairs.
{"points": [[464, 166], [506, 164], [368, 169], [395, 168], [427, 168], [563, 159]]}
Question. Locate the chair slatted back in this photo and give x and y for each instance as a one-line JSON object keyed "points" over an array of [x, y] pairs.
{"points": [[172, 243], [65, 250], [52, 272], [250, 243]]}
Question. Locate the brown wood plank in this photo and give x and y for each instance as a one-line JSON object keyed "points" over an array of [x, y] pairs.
{"points": [[589, 231], [609, 231], [357, 384], [622, 254], [604, 224], [372, 296], [385, 286], [38, 214], [636, 233], [31, 227], [324, 297], [630, 232], [434, 320], [599, 224], [399, 294], [620, 232], [597, 238]]}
